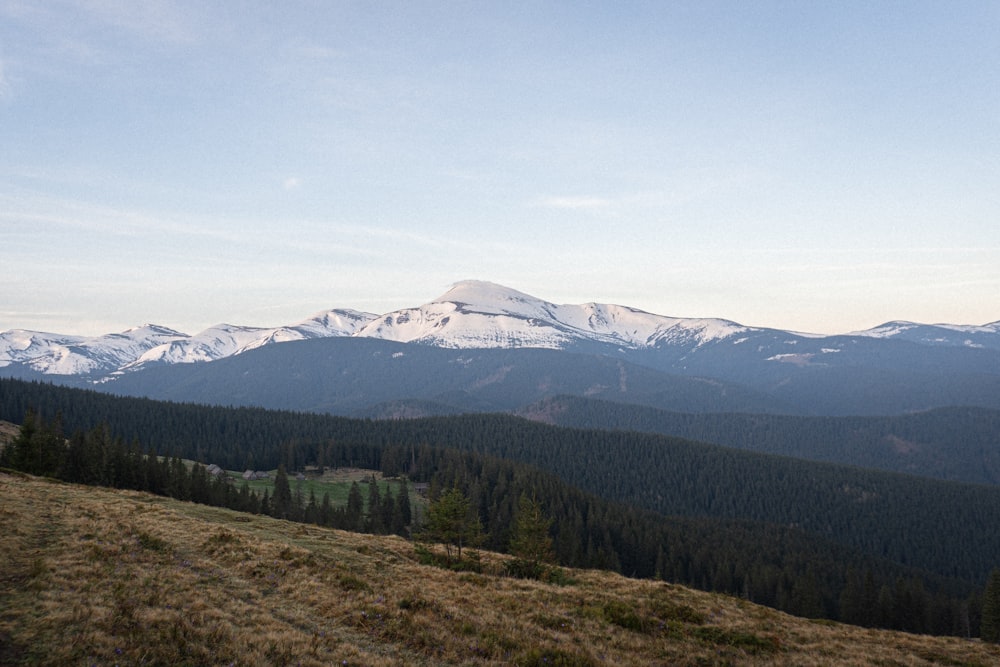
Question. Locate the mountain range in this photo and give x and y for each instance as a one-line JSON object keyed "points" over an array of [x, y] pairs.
{"points": [[482, 346]]}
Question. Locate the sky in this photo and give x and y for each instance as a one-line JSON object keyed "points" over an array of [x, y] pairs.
{"points": [[819, 167]]}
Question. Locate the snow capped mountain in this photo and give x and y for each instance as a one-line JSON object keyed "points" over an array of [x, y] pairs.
{"points": [[471, 315], [338, 322], [478, 314], [966, 335], [59, 354], [225, 340]]}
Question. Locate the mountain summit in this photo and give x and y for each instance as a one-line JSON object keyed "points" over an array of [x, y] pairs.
{"points": [[479, 314]]}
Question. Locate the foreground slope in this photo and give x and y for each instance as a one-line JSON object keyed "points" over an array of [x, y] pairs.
{"points": [[97, 576]]}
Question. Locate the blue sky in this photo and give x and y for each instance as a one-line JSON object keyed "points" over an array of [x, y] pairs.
{"points": [[821, 167]]}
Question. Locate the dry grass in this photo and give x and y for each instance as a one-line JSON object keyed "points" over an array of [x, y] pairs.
{"points": [[102, 577]]}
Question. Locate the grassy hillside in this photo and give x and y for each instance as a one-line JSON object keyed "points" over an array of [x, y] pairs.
{"points": [[97, 576]]}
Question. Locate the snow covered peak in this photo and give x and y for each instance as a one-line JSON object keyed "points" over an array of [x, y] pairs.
{"points": [[61, 354], [475, 313], [224, 340], [337, 322], [485, 297], [147, 330]]}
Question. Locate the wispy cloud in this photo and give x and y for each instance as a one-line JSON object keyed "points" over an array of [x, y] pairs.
{"points": [[24, 212]]}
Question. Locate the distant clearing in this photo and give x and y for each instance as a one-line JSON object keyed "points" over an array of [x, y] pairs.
{"points": [[334, 481]]}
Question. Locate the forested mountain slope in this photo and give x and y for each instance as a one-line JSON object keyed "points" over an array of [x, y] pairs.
{"points": [[345, 376], [955, 443]]}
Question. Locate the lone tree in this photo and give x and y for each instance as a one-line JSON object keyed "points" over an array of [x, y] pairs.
{"points": [[530, 541], [990, 628], [450, 521], [281, 501]]}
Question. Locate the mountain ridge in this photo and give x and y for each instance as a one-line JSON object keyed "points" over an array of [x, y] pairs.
{"points": [[472, 314]]}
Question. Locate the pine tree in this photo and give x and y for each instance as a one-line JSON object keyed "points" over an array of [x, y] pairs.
{"points": [[531, 542], [374, 523], [450, 522], [298, 503], [281, 501], [990, 624], [179, 480], [354, 519], [311, 514], [16, 454], [38, 448], [852, 600], [386, 512], [326, 510], [403, 515]]}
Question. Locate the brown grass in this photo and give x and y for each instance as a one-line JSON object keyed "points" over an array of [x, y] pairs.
{"points": [[91, 576]]}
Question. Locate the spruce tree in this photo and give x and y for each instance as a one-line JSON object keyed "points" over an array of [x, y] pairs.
{"points": [[281, 501], [403, 515], [990, 624], [311, 514], [387, 512], [326, 510], [449, 521], [531, 542], [15, 453], [374, 524], [38, 448], [354, 519]]}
